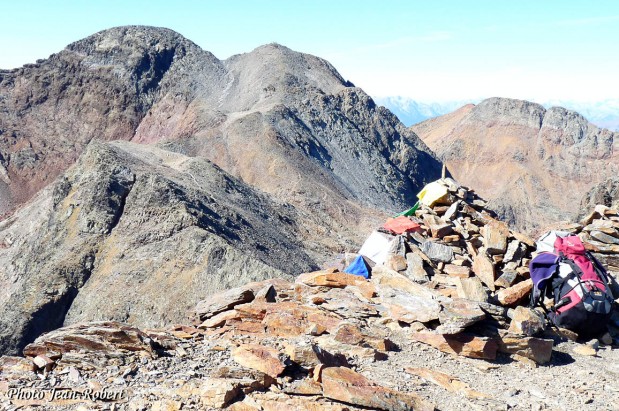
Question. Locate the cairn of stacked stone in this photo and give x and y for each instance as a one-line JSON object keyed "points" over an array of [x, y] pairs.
{"points": [[464, 251]]}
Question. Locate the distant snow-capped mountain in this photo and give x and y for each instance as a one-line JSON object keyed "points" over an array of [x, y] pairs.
{"points": [[602, 113], [412, 112]]}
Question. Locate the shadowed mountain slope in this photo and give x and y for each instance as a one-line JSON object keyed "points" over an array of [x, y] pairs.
{"points": [[139, 234]]}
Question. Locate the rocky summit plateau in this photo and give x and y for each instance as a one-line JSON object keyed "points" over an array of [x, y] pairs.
{"points": [[174, 230], [442, 323]]}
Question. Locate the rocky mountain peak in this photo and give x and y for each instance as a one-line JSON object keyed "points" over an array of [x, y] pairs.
{"points": [[130, 37], [533, 164], [274, 65], [152, 85], [506, 110]]}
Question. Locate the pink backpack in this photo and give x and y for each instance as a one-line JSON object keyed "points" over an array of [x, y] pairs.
{"points": [[579, 287]]}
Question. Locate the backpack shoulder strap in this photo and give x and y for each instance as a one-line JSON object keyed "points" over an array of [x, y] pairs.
{"points": [[601, 272]]}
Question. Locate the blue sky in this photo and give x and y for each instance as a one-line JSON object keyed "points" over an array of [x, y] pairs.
{"points": [[426, 50]]}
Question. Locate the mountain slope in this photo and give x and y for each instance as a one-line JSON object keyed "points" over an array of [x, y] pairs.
{"points": [[50, 110], [606, 193], [236, 171], [138, 234], [533, 164], [283, 121]]}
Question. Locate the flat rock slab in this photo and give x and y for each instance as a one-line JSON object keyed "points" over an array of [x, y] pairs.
{"points": [[457, 270], [414, 267], [514, 251], [495, 234], [223, 301], [606, 226], [288, 318], [458, 314], [438, 227], [408, 308], [347, 303], [451, 212], [104, 337], [311, 355], [295, 320], [604, 238], [396, 262], [526, 321], [523, 238], [349, 334], [388, 279], [536, 349], [270, 401], [213, 392], [345, 385], [585, 350], [219, 319], [514, 294], [437, 252], [460, 344], [599, 247], [506, 279], [471, 288], [484, 269], [329, 278], [305, 386], [260, 358], [449, 382]]}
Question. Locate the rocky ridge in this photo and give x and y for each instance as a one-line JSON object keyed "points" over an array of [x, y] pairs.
{"points": [[284, 122], [138, 234], [532, 164], [238, 170], [453, 281]]}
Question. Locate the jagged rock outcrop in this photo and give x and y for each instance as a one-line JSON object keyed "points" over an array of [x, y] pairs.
{"points": [[606, 193], [135, 233], [532, 164]]}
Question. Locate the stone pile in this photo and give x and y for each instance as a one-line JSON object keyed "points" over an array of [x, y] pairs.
{"points": [[458, 248], [599, 232], [462, 250]]}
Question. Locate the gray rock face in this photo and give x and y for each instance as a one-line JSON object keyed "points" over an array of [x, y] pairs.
{"points": [[515, 112], [97, 87], [137, 234], [606, 192], [437, 252]]}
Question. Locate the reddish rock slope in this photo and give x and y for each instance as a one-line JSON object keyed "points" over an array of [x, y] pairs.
{"points": [[533, 164]]}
